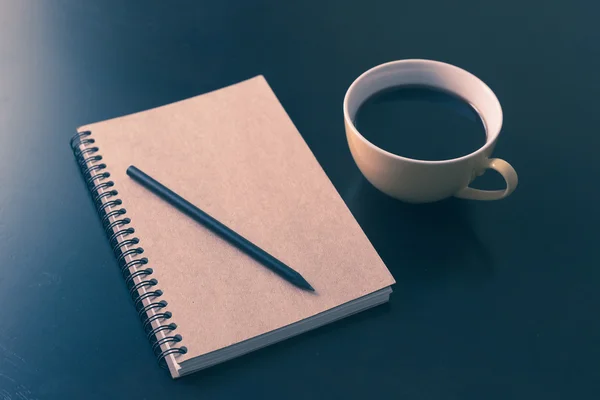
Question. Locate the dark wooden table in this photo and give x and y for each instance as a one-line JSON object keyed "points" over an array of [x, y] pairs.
{"points": [[494, 300]]}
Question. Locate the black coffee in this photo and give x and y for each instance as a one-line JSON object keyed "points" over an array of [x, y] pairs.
{"points": [[421, 123]]}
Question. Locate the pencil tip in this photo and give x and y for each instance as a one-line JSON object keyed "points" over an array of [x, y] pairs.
{"points": [[305, 285], [299, 281]]}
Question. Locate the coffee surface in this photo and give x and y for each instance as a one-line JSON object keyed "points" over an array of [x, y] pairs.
{"points": [[420, 122]]}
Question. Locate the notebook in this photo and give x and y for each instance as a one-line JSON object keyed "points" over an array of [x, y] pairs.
{"points": [[235, 154]]}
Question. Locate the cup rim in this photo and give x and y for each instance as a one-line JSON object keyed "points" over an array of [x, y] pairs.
{"points": [[482, 149]]}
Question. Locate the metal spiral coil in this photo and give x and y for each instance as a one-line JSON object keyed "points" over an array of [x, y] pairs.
{"points": [[133, 263], [80, 153], [110, 203], [147, 295], [99, 177], [103, 185], [93, 167], [130, 252], [90, 159], [106, 217], [117, 223], [158, 305], [162, 316], [123, 245], [98, 197], [171, 327], [138, 274], [123, 232]]}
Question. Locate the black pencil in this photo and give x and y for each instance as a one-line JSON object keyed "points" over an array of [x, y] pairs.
{"points": [[224, 232]]}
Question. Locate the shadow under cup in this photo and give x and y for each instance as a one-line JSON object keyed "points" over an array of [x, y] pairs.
{"points": [[418, 181]]}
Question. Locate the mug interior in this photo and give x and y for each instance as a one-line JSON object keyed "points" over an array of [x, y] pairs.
{"points": [[434, 74]]}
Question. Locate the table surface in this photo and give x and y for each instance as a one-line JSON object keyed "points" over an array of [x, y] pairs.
{"points": [[494, 300]]}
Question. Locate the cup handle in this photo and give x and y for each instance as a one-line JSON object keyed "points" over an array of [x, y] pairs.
{"points": [[508, 173]]}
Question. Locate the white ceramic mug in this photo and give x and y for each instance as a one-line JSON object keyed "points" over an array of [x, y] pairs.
{"points": [[418, 181]]}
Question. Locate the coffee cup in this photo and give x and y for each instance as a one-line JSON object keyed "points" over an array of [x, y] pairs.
{"points": [[420, 181]]}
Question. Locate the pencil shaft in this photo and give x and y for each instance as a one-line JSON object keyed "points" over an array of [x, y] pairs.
{"points": [[217, 227]]}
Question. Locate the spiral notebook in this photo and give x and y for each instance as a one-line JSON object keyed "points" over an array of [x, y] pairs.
{"points": [[235, 154]]}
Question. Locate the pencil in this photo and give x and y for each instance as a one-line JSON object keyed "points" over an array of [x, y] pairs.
{"points": [[224, 232]]}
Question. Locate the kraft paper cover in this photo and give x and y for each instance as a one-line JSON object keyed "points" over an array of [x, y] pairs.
{"points": [[236, 155]]}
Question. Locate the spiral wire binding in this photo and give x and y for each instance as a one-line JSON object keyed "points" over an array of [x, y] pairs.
{"points": [[140, 286]]}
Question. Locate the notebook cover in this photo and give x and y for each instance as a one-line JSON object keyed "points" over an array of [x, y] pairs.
{"points": [[236, 154]]}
